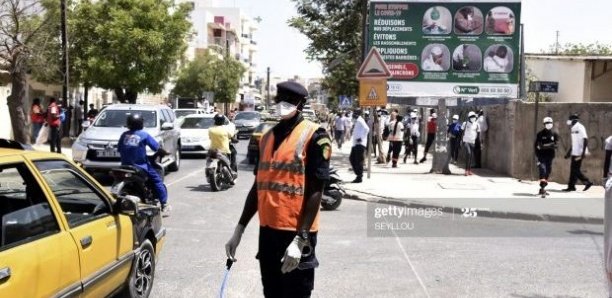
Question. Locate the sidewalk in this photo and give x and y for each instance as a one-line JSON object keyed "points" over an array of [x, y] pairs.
{"points": [[66, 148], [492, 194]]}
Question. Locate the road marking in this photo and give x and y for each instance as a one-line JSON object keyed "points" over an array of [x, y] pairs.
{"points": [[399, 243], [185, 177]]}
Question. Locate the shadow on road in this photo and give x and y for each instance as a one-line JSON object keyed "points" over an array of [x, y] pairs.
{"points": [[201, 187], [585, 232]]}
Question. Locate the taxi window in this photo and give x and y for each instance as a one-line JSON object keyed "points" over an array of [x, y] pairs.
{"points": [[25, 212], [79, 199]]}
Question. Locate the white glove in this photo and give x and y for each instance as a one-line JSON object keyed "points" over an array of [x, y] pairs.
{"points": [[293, 254], [230, 246]]}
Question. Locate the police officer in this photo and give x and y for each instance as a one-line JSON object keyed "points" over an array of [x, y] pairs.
{"points": [[132, 147], [291, 172], [545, 146]]}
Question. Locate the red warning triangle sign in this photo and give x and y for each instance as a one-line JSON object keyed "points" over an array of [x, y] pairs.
{"points": [[373, 66]]}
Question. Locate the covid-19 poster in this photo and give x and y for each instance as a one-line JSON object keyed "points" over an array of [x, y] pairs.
{"points": [[448, 48]]}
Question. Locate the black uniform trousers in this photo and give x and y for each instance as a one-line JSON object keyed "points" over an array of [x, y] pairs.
{"points": [[576, 173], [356, 158]]}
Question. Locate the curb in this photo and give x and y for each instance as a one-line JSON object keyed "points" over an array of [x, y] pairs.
{"points": [[371, 198]]}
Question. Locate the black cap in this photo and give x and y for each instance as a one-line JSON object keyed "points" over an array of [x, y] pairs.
{"points": [[291, 91], [574, 117], [357, 112]]}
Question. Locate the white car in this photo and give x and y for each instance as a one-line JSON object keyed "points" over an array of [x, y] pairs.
{"points": [[194, 132], [180, 113]]}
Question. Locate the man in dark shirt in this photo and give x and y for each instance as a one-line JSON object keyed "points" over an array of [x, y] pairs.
{"points": [[545, 146], [288, 232]]}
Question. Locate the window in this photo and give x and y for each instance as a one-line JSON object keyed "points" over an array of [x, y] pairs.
{"points": [[79, 200], [25, 212], [164, 116], [170, 115], [118, 118]]}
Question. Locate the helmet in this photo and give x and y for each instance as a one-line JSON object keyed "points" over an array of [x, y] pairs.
{"points": [[455, 117], [219, 119], [547, 120], [134, 122], [471, 114]]}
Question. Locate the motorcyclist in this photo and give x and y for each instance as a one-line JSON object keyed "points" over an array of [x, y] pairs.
{"points": [[220, 138], [132, 148]]}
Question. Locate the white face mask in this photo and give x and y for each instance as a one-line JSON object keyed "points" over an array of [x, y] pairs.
{"points": [[569, 122], [455, 120], [548, 126], [285, 110], [472, 119]]}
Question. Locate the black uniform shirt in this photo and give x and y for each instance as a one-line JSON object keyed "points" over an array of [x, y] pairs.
{"points": [[318, 152], [546, 143]]}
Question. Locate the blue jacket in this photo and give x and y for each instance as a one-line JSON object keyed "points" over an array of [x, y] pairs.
{"points": [[133, 147]]}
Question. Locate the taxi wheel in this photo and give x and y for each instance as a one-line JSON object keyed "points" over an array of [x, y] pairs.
{"points": [[174, 166], [140, 281]]}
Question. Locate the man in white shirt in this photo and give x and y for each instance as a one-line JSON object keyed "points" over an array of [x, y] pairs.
{"points": [[577, 152], [470, 133], [607, 174], [339, 129], [434, 61], [480, 139], [360, 138]]}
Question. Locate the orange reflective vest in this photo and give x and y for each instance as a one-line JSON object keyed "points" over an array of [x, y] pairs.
{"points": [[281, 177]]}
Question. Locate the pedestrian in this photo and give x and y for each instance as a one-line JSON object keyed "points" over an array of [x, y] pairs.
{"points": [[545, 147], [607, 182], [291, 172], [54, 122], [396, 138], [360, 133], [454, 134], [412, 133], [37, 118], [348, 126], [470, 132], [78, 114], [92, 112], [432, 126], [577, 152], [339, 129], [483, 125], [388, 128]]}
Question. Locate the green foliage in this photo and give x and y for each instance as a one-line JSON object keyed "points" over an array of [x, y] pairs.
{"points": [[334, 28], [207, 72], [129, 46], [579, 49]]}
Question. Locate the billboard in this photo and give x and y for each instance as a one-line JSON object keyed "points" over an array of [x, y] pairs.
{"points": [[448, 48]]}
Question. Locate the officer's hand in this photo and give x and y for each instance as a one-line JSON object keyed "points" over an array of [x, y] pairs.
{"points": [[162, 152], [567, 156], [232, 244], [293, 254]]}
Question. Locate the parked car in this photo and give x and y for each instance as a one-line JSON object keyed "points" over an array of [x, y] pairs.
{"points": [[246, 122], [253, 151], [65, 235], [310, 115], [96, 148], [180, 113], [194, 133]]}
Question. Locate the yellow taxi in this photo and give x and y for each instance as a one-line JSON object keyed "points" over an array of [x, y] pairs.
{"points": [[64, 235], [262, 128]]}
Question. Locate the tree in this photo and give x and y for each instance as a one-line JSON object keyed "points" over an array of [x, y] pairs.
{"points": [[134, 45], [334, 28], [580, 49], [207, 72], [23, 26]]}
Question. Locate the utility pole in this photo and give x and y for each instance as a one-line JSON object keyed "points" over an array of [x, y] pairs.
{"points": [[557, 45], [64, 52], [268, 89]]}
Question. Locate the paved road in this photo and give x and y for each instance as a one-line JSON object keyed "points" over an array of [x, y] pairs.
{"points": [[555, 260]]}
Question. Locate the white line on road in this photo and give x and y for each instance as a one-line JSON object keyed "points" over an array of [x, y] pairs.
{"points": [[399, 243], [185, 177]]}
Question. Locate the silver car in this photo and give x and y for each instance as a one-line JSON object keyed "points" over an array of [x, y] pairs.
{"points": [[96, 148]]}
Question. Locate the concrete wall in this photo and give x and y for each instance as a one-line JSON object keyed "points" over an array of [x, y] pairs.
{"points": [[571, 75], [511, 137], [601, 87]]}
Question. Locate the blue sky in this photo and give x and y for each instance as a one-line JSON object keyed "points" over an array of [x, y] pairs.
{"points": [[282, 47]]}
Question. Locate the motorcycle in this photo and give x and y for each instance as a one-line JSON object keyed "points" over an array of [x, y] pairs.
{"points": [[134, 181], [218, 174], [332, 191]]}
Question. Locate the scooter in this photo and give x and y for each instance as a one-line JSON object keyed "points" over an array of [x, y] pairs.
{"points": [[134, 181], [218, 174], [333, 191]]}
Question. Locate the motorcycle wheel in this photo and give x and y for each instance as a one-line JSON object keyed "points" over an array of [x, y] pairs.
{"points": [[215, 179], [333, 206]]}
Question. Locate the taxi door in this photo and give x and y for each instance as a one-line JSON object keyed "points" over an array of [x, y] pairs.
{"points": [[38, 257], [104, 240]]}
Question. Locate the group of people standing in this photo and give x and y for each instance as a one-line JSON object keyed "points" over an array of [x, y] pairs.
{"points": [[56, 119], [471, 136]]}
